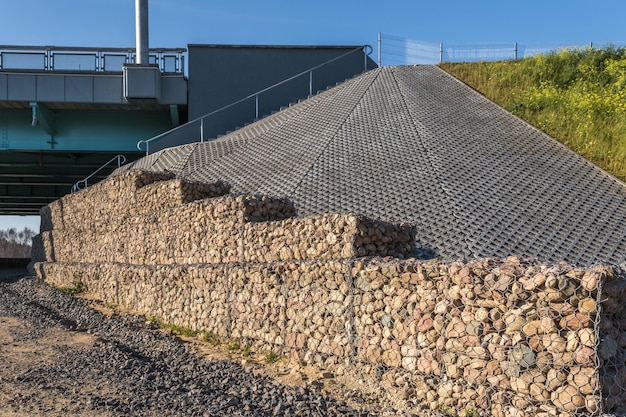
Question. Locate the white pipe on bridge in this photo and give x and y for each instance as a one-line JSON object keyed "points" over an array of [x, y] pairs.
{"points": [[141, 31]]}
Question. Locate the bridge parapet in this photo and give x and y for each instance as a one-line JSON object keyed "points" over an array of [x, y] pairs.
{"points": [[57, 75], [86, 59]]}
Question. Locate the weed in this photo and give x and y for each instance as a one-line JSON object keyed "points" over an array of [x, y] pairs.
{"points": [[179, 330], [233, 345], [211, 338], [183, 331], [246, 351], [154, 322], [447, 411], [272, 357], [470, 412], [112, 306], [77, 287]]}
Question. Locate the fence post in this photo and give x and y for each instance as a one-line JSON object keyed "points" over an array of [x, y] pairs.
{"points": [[515, 51], [256, 106], [202, 130], [48, 61], [441, 52], [379, 43], [310, 83]]}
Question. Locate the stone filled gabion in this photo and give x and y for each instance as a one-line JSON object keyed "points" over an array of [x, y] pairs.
{"points": [[502, 338], [96, 202]]}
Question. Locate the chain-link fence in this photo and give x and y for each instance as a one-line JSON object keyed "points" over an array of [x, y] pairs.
{"points": [[394, 50]]}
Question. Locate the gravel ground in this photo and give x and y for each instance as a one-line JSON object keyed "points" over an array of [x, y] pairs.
{"points": [[59, 356]]}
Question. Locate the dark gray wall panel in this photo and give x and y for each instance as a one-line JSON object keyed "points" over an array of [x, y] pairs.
{"points": [[222, 74]]}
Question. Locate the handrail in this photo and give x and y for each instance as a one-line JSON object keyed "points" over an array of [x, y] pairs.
{"points": [[85, 59], [121, 159], [83, 49], [255, 94]]}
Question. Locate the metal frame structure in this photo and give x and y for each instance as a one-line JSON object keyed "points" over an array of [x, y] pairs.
{"points": [[22, 56]]}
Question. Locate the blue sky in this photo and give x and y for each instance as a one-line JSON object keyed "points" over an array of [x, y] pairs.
{"points": [[177, 23], [111, 23]]}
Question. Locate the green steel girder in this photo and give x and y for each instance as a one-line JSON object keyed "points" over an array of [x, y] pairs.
{"points": [[45, 150], [43, 116], [78, 130]]}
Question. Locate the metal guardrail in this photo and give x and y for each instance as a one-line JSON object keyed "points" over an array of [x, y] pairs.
{"points": [[121, 159], [59, 58], [366, 48]]}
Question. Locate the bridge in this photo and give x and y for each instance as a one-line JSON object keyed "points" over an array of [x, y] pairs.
{"points": [[66, 111]]}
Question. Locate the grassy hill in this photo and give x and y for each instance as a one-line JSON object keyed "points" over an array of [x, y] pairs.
{"points": [[576, 96]]}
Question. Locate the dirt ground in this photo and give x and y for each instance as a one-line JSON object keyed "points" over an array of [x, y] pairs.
{"points": [[20, 354], [26, 348], [354, 391]]}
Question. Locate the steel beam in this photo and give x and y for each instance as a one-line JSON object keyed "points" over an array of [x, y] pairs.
{"points": [[43, 117]]}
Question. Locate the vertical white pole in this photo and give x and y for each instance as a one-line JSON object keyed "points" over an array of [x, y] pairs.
{"points": [[141, 31]]}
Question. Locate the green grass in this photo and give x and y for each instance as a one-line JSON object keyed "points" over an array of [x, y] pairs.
{"points": [[179, 330], [183, 331], [78, 286], [246, 351], [576, 96], [233, 345], [207, 337], [450, 412], [211, 338], [272, 357]]}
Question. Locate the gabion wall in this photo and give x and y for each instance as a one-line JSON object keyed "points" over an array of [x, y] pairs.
{"points": [[502, 338]]}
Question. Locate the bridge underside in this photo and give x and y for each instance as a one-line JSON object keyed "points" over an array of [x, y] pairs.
{"points": [[65, 112], [45, 148], [32, 179]]}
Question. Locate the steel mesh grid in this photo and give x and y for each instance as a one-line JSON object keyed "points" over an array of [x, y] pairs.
{"points": [[536, 356], [493, 166], [144, 163], [275, 162], [170, 157]]}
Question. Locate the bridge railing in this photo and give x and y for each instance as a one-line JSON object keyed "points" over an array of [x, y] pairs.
{"points": [[58, 58]]}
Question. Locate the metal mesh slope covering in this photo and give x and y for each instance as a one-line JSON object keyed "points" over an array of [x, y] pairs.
{"points": [[413, 144], [518, 190]]}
